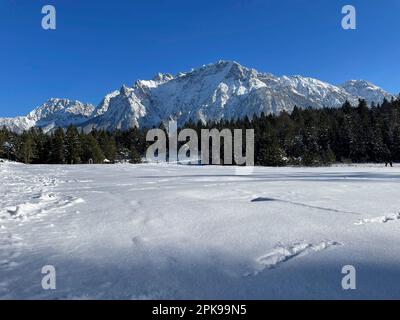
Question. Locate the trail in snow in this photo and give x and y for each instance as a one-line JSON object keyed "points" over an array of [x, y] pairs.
{"points": [[265, 199], [30, 196], [25, 198]]}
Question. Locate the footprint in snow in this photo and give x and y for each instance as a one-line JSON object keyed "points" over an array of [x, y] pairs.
{"points": [[283, 253], [382, 219]]}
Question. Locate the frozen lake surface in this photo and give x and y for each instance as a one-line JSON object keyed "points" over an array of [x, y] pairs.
{"points": [[191, 232]]}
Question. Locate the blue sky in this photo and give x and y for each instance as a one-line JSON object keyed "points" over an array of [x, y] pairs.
{"points": [[99, 45]]}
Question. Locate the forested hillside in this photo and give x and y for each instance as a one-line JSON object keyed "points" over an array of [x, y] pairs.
{"points": [[305, 137]]}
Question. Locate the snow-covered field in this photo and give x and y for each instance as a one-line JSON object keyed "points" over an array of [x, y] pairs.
{"points": [[192, 232]]}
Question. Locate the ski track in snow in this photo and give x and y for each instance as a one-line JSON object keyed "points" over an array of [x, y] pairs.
{"points": [[263, 199]]}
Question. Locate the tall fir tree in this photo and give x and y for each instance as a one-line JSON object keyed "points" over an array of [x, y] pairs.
{"points": [[72, 146], [57, 145]]}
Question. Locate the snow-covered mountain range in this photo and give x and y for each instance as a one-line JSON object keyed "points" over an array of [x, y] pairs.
{"points": [[52, 114], [223, 90]]}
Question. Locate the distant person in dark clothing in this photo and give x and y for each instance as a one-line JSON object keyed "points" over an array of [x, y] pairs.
{"points": [[389, 162], [387, 156]]}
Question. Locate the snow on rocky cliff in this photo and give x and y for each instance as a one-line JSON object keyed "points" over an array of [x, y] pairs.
{"points": [[53, 113], [223, 90]]}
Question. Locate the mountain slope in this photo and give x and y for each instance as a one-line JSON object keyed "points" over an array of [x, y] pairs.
{"points": [[223, 90], [53, 113], [368, 91]]}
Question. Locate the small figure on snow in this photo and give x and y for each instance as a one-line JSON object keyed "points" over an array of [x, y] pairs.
{"points": [[387, 156], [389, 162]]}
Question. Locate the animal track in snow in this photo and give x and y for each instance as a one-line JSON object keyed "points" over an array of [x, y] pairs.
{"points": [[283, 253]]}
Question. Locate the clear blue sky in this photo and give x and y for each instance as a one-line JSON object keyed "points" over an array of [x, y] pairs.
{"points": [[99, 45]]}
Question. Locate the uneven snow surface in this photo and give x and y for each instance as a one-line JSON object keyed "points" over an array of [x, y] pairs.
{"points": [[192, 232]]}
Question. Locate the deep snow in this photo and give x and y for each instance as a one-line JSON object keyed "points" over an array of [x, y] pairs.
{"points": [[191, 232]]}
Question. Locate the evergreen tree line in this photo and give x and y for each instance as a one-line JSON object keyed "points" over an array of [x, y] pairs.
{"points": [[71, 146], [303, 137]]}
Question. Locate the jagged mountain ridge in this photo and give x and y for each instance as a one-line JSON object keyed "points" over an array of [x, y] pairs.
{"points": [[52, 114], [223, 90]]}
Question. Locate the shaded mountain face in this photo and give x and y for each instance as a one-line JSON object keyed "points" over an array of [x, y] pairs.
{"points": [[223, 90]]}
